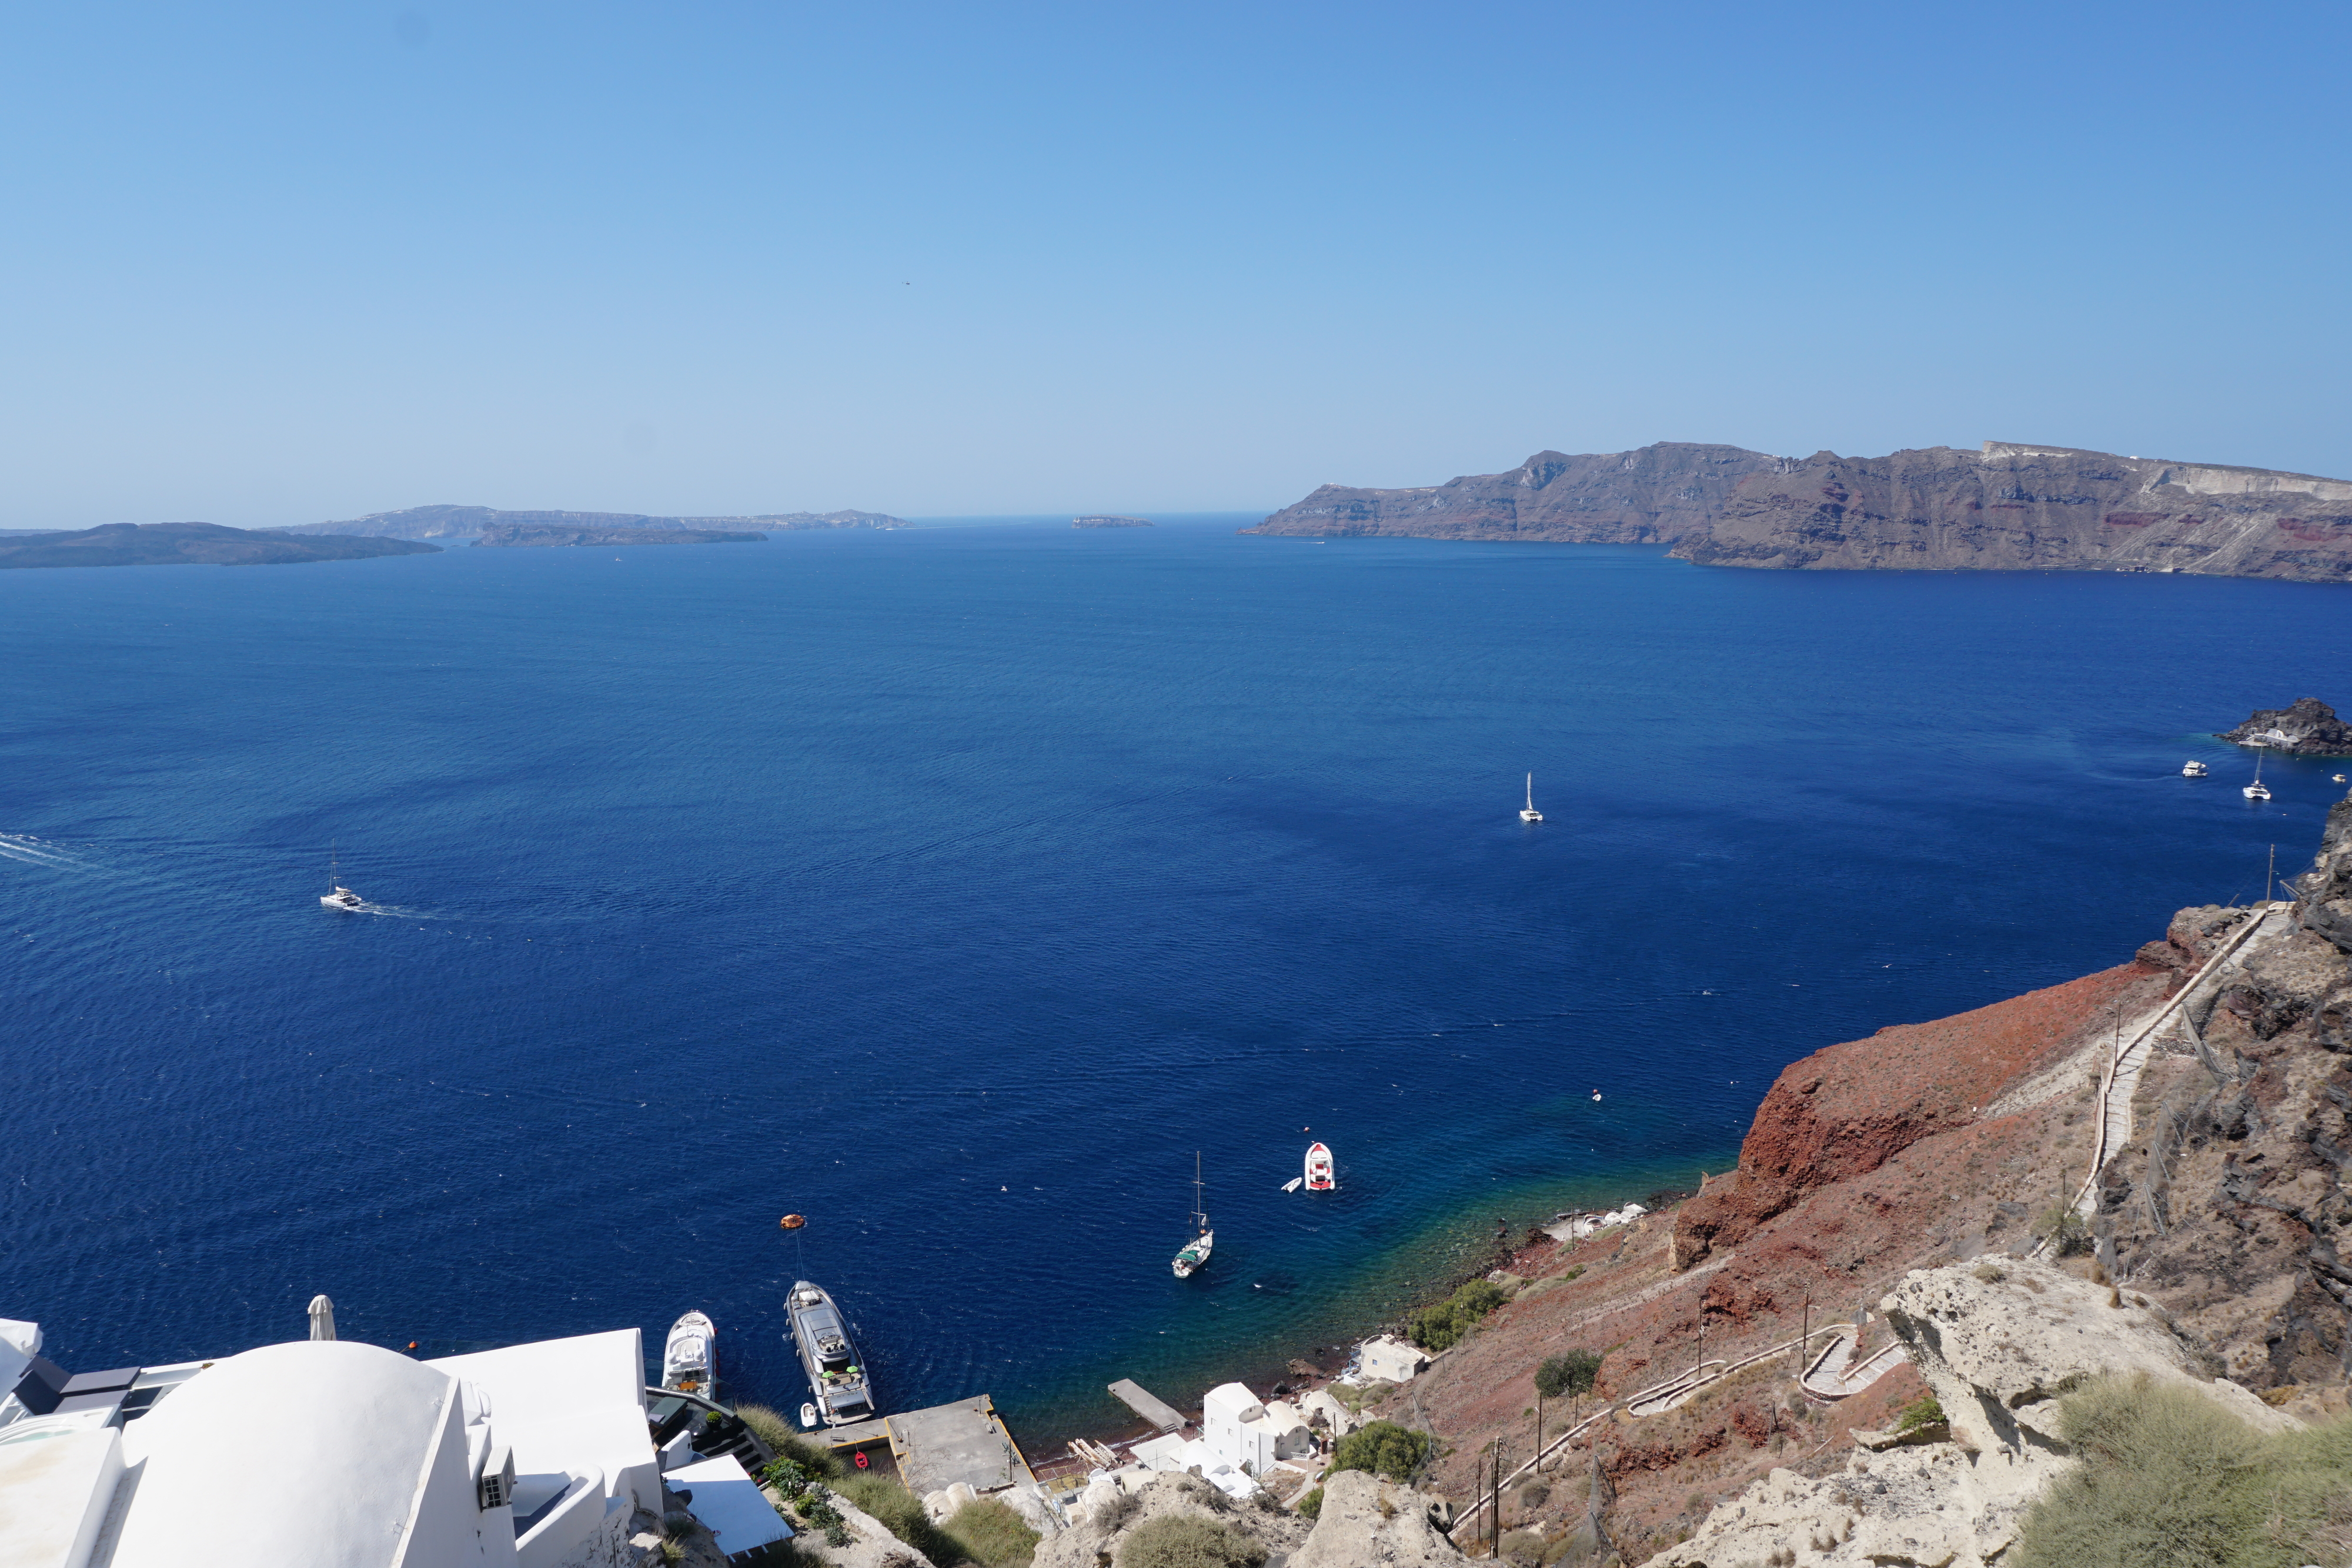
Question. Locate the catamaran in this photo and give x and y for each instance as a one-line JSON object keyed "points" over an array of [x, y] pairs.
{"points": [[1318, 1169], [1531, 814], [1196, 1251], [2256, 790], [337, 895]]}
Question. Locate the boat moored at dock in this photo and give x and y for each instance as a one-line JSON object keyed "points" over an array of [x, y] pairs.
{"points": [[690, 1355], [837, 1376]]}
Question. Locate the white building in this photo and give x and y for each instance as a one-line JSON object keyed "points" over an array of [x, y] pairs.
{"points": [[1250, 1435], [328, 1454], [1391, 1359]]}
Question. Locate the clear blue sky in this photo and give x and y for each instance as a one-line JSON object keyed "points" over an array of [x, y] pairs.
{"points": [[274, 265]]}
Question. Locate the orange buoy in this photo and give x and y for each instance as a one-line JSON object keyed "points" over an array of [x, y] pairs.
{"points": [[793, 1222]]}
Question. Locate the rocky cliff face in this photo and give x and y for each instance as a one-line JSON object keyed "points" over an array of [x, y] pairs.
{"points": [[2308, 727], [2008, 507], [1652, 495], [2013, 508]]}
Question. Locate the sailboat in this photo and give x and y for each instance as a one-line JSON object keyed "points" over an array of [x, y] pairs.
{"points": [[1531, 814], [1318, 1169], [337, 895], [2255, 790], [1196, 1251]]}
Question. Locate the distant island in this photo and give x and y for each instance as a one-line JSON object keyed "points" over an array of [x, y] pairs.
{"points": [[2307, 729], [2007, 507], [442, 522], [517, 533], [189, 544], [1110, 522]]}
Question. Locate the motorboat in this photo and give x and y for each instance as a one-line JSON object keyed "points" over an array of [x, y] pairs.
{"points": [[837, 1376], [2193, 768], [1318, 1169], [337, 895], [1530, 814], [691, 1356], [1195, 1252], [2256, 790], [2340, 778]]}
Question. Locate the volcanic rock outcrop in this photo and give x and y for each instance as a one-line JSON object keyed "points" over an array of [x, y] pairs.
{"points": [[1652, 495], [2000, 1343], [2308, 728], [2008, 507]]}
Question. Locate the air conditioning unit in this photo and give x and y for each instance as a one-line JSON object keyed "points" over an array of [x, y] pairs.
{"points": [[495, 1485]]}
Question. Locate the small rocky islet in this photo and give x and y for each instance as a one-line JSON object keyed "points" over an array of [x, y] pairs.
{"points": [[2306, 728]]}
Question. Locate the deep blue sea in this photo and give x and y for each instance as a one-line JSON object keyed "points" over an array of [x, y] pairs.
{"points": [[952, 886]]}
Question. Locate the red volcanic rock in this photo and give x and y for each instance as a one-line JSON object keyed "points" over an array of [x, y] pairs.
{"points": [[1847, 1110]]}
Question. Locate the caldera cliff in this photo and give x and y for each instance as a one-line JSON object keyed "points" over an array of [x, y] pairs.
{"points": [[2007, 507]]}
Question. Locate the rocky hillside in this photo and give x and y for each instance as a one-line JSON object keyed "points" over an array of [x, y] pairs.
{"points": [[1653, 495], [445, 522], [187, 543], [1927, 1165], [2007, 508]]}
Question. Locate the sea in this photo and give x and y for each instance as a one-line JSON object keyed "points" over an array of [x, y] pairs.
{"points": [[957, 887]]}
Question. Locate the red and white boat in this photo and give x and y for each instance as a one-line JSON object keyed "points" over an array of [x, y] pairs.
{"points": [[1318, 1169]]}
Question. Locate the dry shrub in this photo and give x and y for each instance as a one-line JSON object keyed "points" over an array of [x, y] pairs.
{"points": [[1188, 1541], [1115, 1510], [2171, 1479]]}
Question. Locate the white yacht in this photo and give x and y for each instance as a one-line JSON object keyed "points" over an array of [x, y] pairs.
{"points": [[2255, 790], [691, 1356], [2193, 768], [1531, 814], [337, 895]]}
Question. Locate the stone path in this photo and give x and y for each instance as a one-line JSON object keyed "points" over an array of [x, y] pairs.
{"points": [[2120, 1083]]}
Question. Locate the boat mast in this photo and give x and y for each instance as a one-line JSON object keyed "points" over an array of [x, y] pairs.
{"points": [[1531, 791], [1199, 1214]]}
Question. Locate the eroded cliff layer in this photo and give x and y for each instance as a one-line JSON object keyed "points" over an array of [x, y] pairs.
{"points": [[2008, 507], [2011, 507], [1652, 495]]}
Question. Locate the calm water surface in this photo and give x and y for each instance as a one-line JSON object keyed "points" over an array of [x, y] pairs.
{"points": [[953, 886]]}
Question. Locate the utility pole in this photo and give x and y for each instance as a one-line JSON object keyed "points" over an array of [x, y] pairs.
{"points": [[2270, 882], [1804, 1340], [1539, 1431]]}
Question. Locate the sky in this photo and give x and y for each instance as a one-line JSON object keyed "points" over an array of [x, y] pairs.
{"points": [[273, 264]]}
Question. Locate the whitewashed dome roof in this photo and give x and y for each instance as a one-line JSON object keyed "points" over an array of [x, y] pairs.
{"points": [[310, 1453]]}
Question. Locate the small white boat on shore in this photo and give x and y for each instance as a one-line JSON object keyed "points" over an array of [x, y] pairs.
{"points": [[1318, 1169], [691, 1356]]}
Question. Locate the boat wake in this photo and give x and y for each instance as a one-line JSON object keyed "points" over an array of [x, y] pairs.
{"points": [[33, 852]]}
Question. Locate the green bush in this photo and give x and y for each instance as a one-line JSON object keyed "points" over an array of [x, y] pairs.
{"points": [[777, 1433], [1382, 1447], [2066, 1231], [1441, 1327], [992, 1535], [1574, 1373], [2171, 1479], [1921, 1412], [1188, 1541], [1311, 1505]]}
